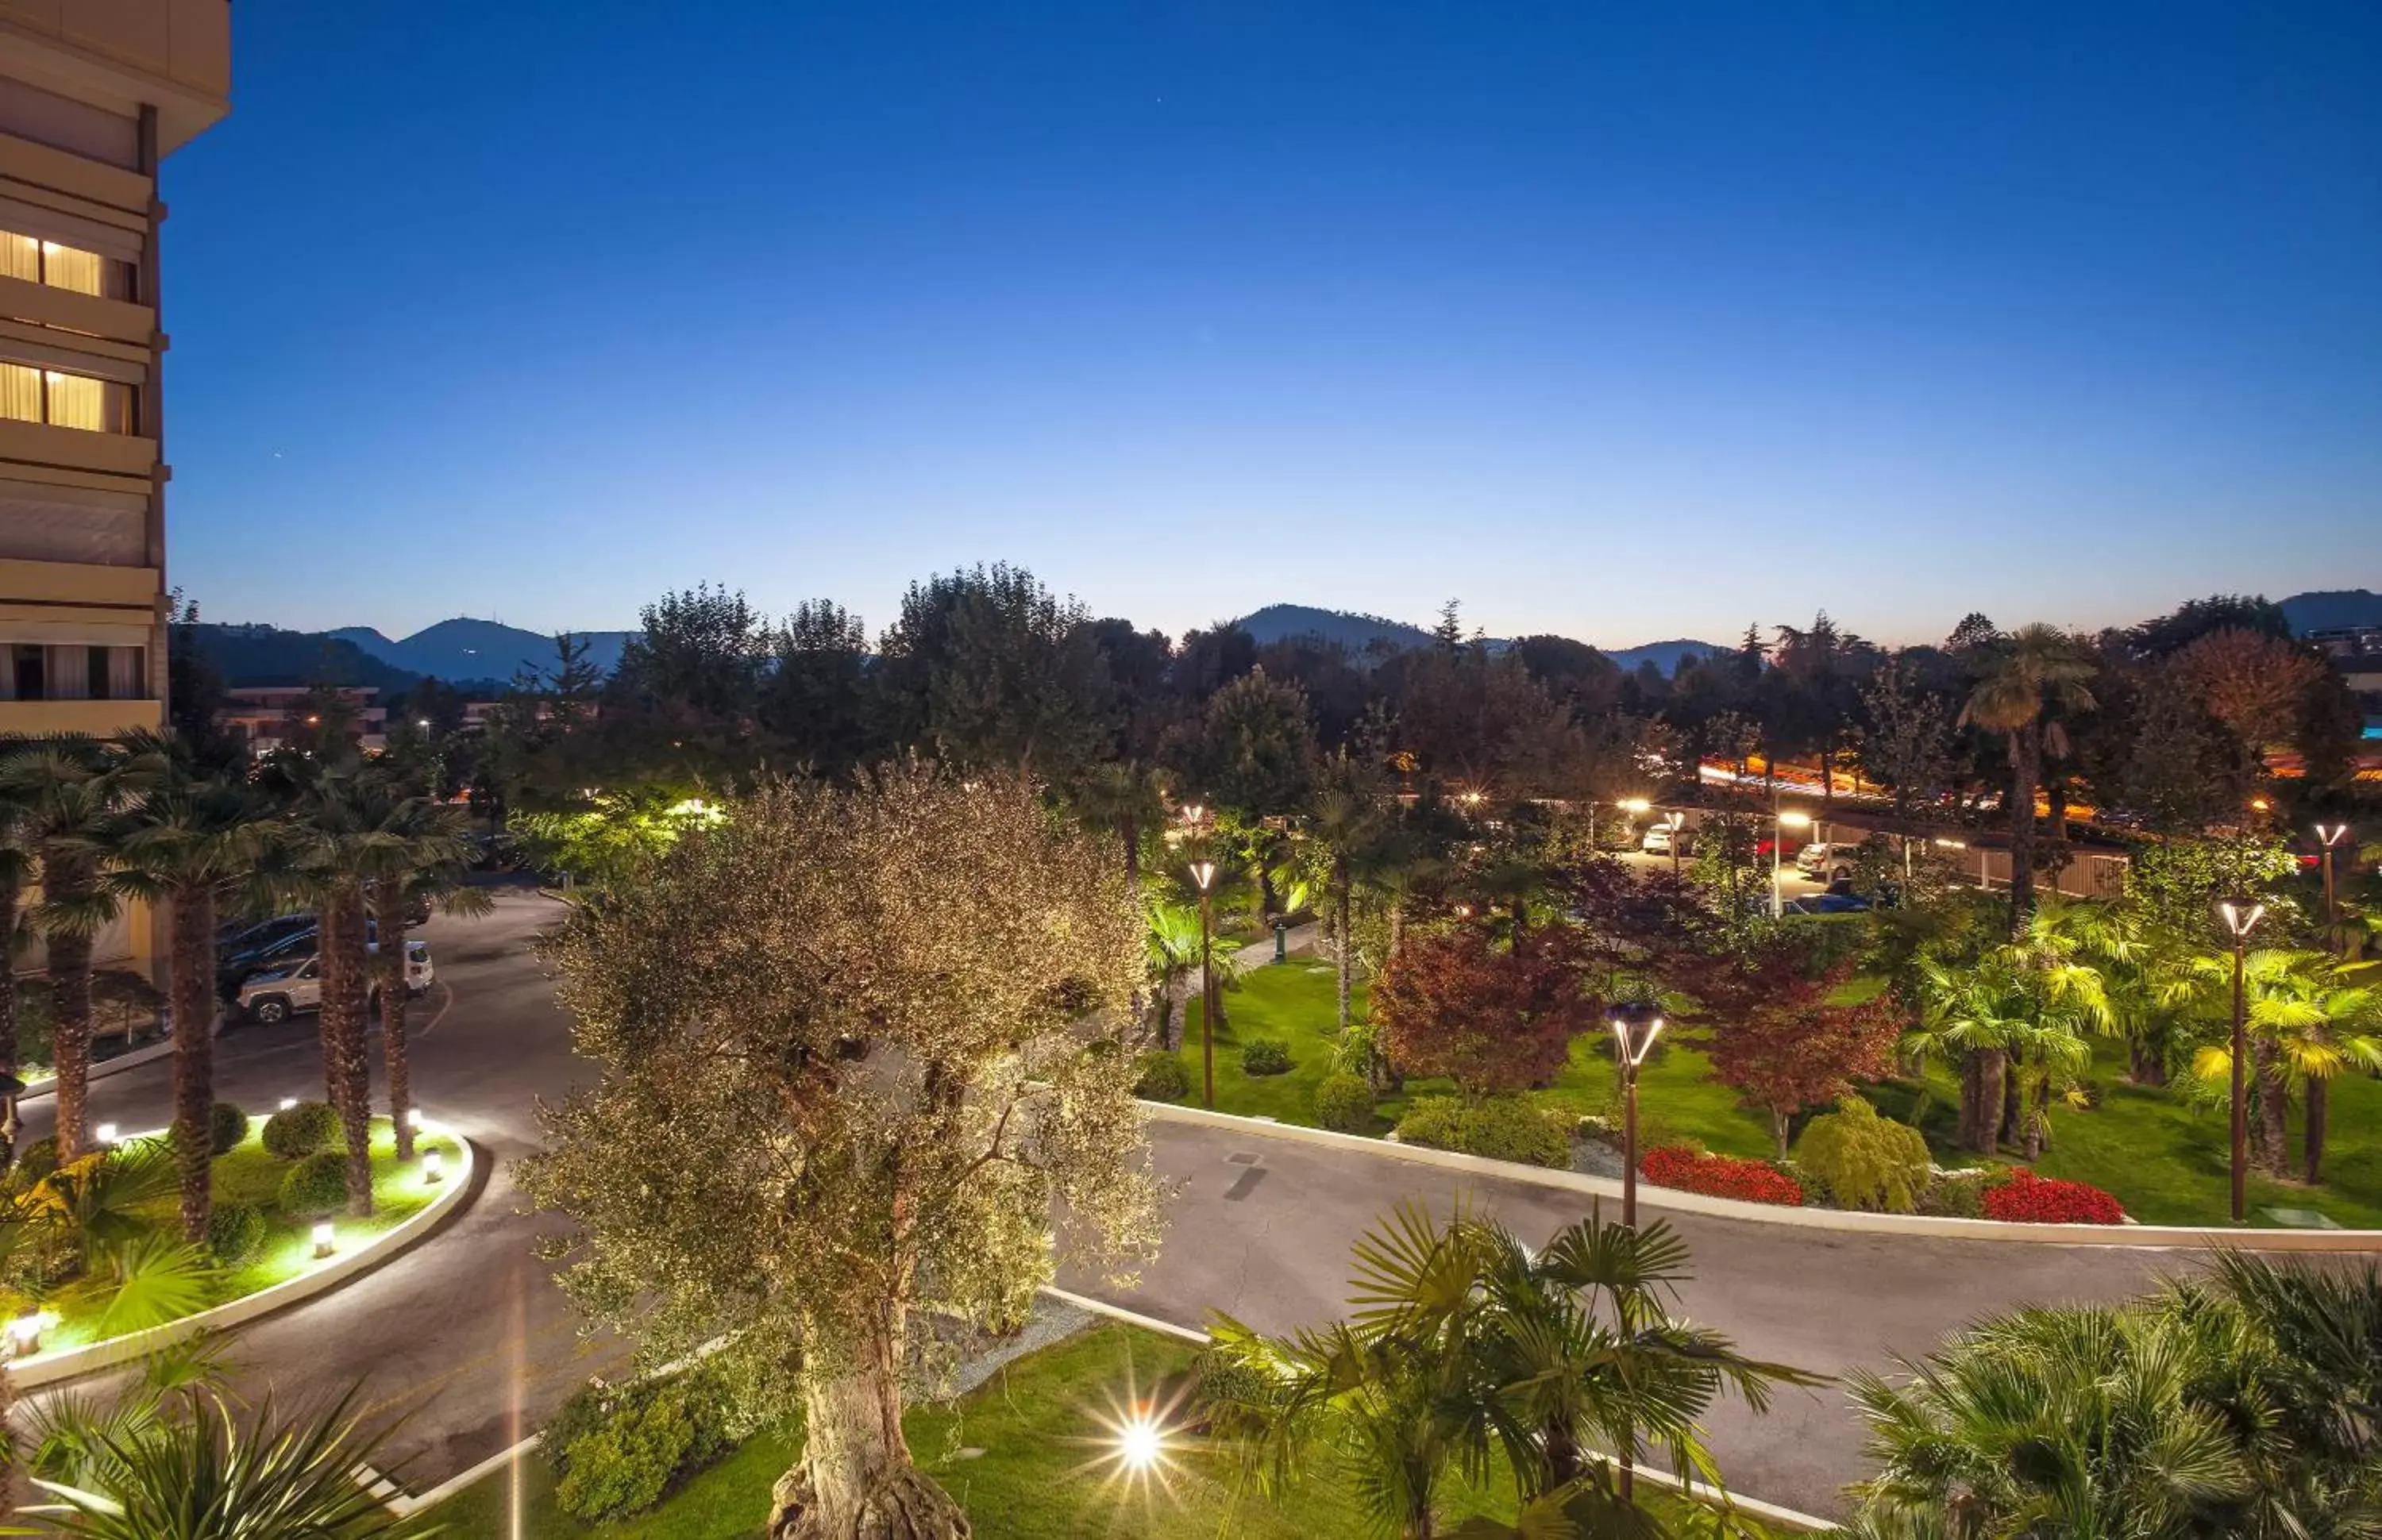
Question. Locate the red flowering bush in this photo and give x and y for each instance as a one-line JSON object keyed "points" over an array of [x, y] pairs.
{"points": [[1753, 1181], [2048, 1200]]}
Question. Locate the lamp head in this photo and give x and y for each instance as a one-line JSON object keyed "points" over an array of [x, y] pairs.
{"points": [[1636, 804], [1193, 812], [2241, 916], [1795, 820], [2331, 834], [1674, 818], [1203, 873], [1636, 1025]]}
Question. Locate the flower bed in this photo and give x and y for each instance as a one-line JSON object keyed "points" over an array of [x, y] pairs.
{"points": [[2026, 1198], [1691, 1170]]}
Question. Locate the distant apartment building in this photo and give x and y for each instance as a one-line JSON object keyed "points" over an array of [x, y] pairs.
{"points": [[267, 718], [93, 95]]}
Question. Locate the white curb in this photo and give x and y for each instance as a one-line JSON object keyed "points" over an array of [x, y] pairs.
{"points": [[2146, 1237], [64, 1363]]}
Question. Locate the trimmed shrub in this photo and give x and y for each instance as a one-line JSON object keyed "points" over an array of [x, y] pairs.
{"points": [[1861, 1160], [1344, 1104], [1690, 1171], [2048, 1200], [1961, 1194], [1500, 1127], [1162, 1077], [316, 1186], [236, 1231], [1265, 1056], [227, 1127], [621, 1451], [301, 1131], [39, 1158]]}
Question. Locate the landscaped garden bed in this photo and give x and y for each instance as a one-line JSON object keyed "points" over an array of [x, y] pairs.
{"points": [[103, 1257], [2161, 1159]]}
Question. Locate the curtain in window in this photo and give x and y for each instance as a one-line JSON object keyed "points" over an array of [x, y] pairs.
{"points": [[77, 402], [65, 673], [64, 267], [20, 257], [21, 392], [126, 678]]}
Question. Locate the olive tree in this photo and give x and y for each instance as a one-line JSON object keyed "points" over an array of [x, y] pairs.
{"points": [[858, 1044]]}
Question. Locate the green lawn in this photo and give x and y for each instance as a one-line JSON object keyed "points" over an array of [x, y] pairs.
{"points": [[250, 1174], [2164, 1160], [1042, 1474]]}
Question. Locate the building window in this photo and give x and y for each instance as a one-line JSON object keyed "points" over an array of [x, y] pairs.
{"points": [[46, 262], [73, 672], [63, 400], [29, 679]]}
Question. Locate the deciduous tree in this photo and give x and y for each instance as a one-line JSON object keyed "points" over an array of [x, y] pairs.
{"points": [[1778, 1036], [1491, 1018]]}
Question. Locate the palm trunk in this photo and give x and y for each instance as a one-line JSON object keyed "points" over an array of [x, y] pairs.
{"points": [[346, 1065], [1981, 1099], [1343, 943], [856, 1480], [192, 913], [68, 877], [2146, 1061], [2318, 1098], [388, 915], [2274, 1102], [12, 894], [2013, 1114], [1130, 832], [2026, 767]]}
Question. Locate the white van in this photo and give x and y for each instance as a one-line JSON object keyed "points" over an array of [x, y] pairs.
{"points": [[277, 994]]}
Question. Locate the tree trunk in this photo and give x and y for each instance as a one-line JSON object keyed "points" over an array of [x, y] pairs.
{"points": [[2274, 1101], [192, 913], [1781, 1125], [346, 1068], [1397, 922], [1344, 942], [2146, 1062], [856, 1480], [2026, 768], [1827, 783], [2013, 1112], [2318, 1097], [1130, 832], [388, 966], [11, 907], [1981, 1100], [67, 877]]}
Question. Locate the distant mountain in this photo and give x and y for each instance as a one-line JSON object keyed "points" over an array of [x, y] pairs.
{"points": [[1664, 655], [267, 655], [1357, 632], [2337, 607], [465, 649]]}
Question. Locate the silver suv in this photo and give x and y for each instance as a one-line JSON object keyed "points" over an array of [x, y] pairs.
{"points": [[278, 993]]}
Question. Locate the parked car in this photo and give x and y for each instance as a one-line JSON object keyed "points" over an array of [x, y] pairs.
{"points": [[1657, 840], [249, 935], [236, 970], [1828, 903], [276, 995], [1833, 859]]}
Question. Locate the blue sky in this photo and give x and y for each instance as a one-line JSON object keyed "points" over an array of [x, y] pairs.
{"points": [[1626, 321]]}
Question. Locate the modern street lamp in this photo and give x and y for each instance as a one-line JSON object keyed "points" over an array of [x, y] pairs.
{"points": [[1203, 874], [2331, 835], [2240, 918], [1780, 821], [1674, 821], [1636, 1025]]}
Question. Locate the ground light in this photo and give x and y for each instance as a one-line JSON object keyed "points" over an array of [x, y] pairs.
{"points": [[1137, 1440], [288, 1103], [433, 1168], [25, 1332], [323, 1239], [106, 1133]]}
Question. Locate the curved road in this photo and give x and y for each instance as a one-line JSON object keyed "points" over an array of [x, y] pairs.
{"points": [[470, 1334]]}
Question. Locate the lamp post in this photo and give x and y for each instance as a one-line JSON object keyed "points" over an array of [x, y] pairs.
{"points": [[1203, 874], [2240, 918], [1636, 1025], [1674, 821], [1779, 822], [10, 1089], [2331, 835]]}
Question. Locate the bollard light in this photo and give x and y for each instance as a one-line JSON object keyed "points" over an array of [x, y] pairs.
{"points": [[413, 1117], [106, 1133], [288, 1102], [323, 1239], [433, 1168], [25, 1332]]}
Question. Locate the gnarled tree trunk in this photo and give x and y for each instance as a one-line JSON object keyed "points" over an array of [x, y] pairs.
{"points": [[388, 967], [856, 1480], [191, 914]]}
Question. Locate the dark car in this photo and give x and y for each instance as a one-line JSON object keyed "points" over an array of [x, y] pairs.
{"points": [[1828, 903], [253, 935], [232, 972]]}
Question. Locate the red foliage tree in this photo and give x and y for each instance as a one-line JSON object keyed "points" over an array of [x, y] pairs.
{"points": [[1453, 1003], [1778, 1038]]}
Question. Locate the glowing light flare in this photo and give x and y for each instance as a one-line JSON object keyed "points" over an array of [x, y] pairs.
{"points": [[2240, 919], [1204, 873], [288, 1102], [106, 1133], [2331, 834], [1636, 804], [1135, 1440]]}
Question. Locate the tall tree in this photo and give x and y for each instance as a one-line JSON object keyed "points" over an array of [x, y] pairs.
{"points": [[2255, 686], [420, 854], [813, 697], [189, 841], [2026, 681], [1491, 1018], [72, 790], [696, 655], [1345, 825], [866, 1037], [1778, 1036], [1908, 749], [17, 866]]}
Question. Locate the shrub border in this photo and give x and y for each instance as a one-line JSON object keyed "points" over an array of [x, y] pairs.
{"points": [[66, 1364], [2156, 1236]]}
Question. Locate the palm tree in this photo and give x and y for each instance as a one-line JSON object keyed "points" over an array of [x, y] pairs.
{"points": [[1345, 822], [2035, 676], [423, 857], [2307, 1021], [1465, 1350], [1125, 797], [2024, 1018], [16, 871], [193, 834], [71, 788], [1172, 944]]}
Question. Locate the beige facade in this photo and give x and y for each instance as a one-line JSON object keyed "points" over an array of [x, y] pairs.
{"points": [[93, 95]]}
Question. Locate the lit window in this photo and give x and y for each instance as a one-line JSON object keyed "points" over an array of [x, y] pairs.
{"points": [[64, 267], [20, 257], [63, 400], [68, 267]]}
